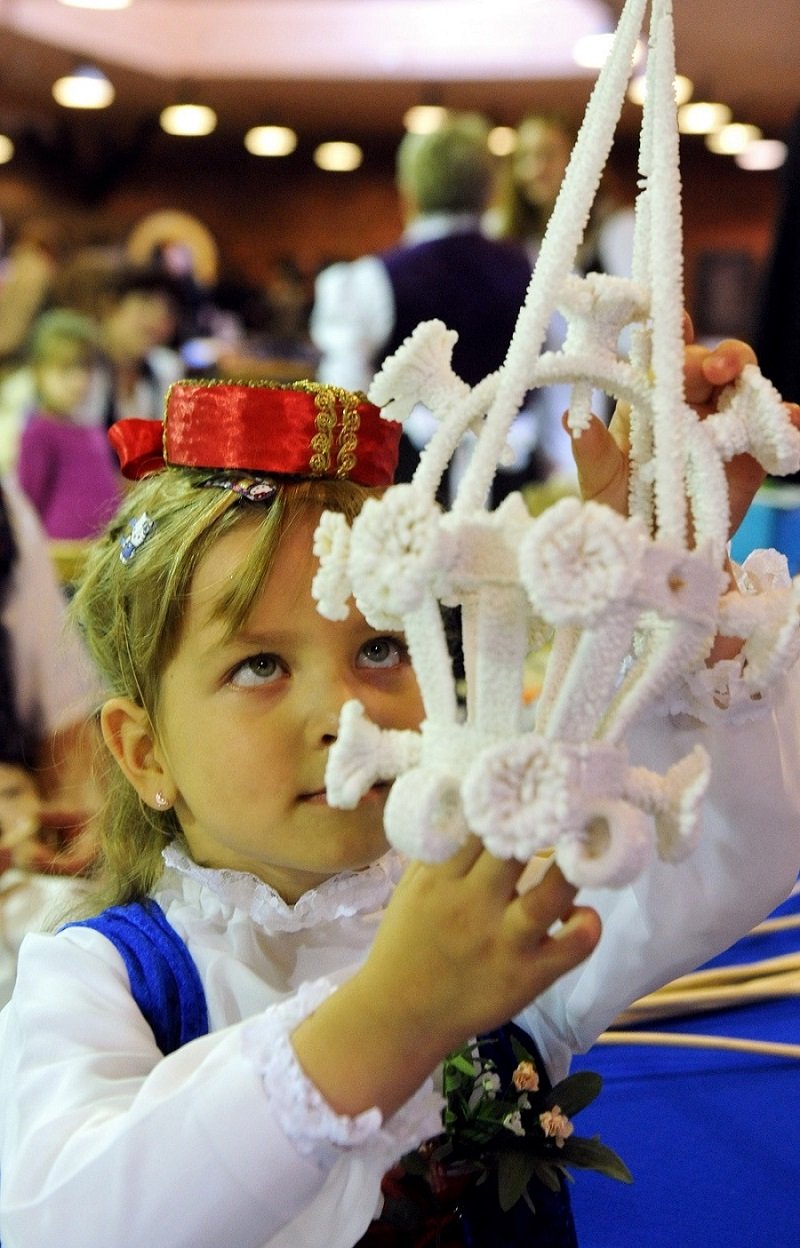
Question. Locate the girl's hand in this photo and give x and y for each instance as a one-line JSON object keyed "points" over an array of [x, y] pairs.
{"points": [[457, 952], [601, 455]]}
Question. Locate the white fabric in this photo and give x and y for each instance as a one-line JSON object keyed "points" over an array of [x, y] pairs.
{"points": [[102, 1141], [353, 312], [30, 902]]}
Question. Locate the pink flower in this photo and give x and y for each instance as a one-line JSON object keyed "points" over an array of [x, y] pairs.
{"points": [[556, 1125], [525, 1078]]}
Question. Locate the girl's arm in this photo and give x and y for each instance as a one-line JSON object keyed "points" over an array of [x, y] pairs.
{"points": [[457, 953]]}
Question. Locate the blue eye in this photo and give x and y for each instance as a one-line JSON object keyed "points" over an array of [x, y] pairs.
{"points": [[259, 669], [383, 652]]}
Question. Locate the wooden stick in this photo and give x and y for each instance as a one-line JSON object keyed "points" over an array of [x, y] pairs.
{"points": [[736, 972], [697, 1000], [785, 984], [784, 923], [682, 1039]]}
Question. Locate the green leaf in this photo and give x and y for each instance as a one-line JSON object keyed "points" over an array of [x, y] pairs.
{"points": [[575, 1092], [594, 1155], [462, 1063], [520, 1052], [514, 1172], [548, 1174]]}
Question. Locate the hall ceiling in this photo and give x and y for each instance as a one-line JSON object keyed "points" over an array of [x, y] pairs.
{"points": [[350, 68]]}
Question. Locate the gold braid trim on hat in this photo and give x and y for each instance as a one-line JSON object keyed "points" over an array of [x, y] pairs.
{"points": [[327, 399], [348, 436], [325, 402]]}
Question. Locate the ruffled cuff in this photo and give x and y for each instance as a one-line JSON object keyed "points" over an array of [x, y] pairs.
{"points": [[763, 610], [305, 1117]]}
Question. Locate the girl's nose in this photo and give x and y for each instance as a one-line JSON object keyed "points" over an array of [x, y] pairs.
{"points": [[329, 727]]}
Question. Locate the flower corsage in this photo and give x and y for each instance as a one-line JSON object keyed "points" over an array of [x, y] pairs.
{"points": [[519, 1131]]}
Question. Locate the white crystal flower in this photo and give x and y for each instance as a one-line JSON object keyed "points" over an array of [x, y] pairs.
{"points": [[331, 584], [771, 436], [419, 372], [610, 850], [518, 797], [423, 815], [363, 754], [577, 559], [397, 550]]}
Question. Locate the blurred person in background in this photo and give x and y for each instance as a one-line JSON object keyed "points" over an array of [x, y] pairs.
{"points": [[26, 282], [528, 194], [66, 467], [443, 268], [138, 315], [48, 737]]}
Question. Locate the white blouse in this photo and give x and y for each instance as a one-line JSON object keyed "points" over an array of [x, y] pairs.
{"points": [[224, 1143]]}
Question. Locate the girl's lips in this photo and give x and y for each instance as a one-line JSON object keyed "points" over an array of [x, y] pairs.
{"points": [[315, 799], [320, 798]]}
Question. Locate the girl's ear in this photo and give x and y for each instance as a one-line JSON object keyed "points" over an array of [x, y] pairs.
{"points": [[128, 733]]}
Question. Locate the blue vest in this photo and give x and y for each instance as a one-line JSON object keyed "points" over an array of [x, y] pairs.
{"points": [[475, 285], [164, 980]]}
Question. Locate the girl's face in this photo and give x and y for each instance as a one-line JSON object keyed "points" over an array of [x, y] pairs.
{"points": [[245, 722], [62, 382], [540, 161]]}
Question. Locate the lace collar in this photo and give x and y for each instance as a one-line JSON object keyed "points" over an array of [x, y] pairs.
{"points": [[342, 896]]}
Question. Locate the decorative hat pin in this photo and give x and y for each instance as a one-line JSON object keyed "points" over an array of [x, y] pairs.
{"points": [[628, 604]]}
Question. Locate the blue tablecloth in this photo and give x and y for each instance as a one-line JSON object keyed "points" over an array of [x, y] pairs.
{"points": [[712, 1137]]}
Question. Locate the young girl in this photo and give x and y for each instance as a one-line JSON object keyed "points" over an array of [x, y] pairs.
{"points": [[317, 991], [64, 465]]}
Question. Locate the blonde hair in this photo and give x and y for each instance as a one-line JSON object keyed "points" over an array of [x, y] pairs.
{"points": [[61, 327], [131, 617]]}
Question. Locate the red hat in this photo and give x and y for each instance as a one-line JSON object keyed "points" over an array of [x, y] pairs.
{"points": [[303, 429]]}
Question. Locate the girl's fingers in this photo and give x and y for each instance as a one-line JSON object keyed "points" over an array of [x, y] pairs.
{"points": [[499, 876], [549, 900], [707, 371], [601, 462], [576, 938], [688, 328]]}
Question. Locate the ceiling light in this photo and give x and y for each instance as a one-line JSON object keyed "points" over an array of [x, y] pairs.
{"points": [[338, 157], [270, 140], [96, 4], [702, 117], [637, 90], [762, 154], [6, 149], [732, 139], [424, 118], [188, 119], [591, 51], [86, 87], [502, 140]]}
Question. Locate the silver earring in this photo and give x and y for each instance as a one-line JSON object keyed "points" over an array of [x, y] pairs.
{"points": [[162, 802]]}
